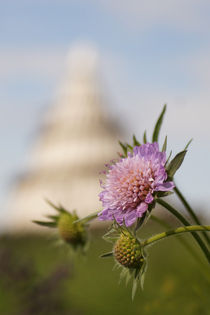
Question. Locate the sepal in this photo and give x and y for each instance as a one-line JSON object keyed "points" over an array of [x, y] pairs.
{"points": [[161, 194], [47, 223], [145, 137], [124, 148], [164, 147], [109, 254], [135, 141]]}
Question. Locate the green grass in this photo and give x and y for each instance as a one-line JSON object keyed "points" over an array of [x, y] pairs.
{"points": [[175, 283]]}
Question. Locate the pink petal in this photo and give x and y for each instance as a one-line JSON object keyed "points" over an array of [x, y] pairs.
{"points": [[149, 198], [141, 209], [165, 186]]}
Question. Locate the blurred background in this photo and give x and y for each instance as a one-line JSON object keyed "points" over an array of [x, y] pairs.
{"points": [[76, 77]]}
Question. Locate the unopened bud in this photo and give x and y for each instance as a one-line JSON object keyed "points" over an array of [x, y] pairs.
{"points": [[127, 251], [72, 233]]}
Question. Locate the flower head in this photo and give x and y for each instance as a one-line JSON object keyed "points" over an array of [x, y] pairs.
{"points": [[132, 182]]}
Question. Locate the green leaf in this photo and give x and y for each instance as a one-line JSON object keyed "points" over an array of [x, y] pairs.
{"points": [[135, 142], [158, 125], [164, 145], [168, 157], [62, 209], [109, 254], [129, 147], [175, 163], [53, 217], [58, 208], [124, 148], [145, 137], [188, 144], [48, 224]]}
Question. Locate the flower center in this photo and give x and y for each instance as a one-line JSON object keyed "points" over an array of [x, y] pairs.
{"points": [[130, 183]]}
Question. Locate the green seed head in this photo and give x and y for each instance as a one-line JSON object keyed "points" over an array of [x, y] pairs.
{"points": [[127, 251], [72, 233]]}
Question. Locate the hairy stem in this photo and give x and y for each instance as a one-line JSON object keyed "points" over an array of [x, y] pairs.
{"points": [[182, 241], [179, 230]]}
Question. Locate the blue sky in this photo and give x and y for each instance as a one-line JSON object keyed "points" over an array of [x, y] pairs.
{"points": [[152, 52]]}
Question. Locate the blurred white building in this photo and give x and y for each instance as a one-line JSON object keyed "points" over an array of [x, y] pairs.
{"points": [[76, 140]]}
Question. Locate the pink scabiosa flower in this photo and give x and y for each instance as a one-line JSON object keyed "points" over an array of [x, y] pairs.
{"points": [[132, 182]]}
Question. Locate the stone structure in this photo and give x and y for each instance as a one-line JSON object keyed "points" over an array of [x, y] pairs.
{"points": [[75, 141]]}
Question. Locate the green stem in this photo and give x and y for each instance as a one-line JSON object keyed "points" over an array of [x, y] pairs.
{"points": [[191, 212], [88, 218], [182, 241], [186, 223], [179, 230]]}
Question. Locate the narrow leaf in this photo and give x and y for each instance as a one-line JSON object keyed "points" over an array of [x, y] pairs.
{"points": [[62, 209], [107, 255], [112, 230], [145, 137], [48, 224], [188, 144], [111, 235], [53, 217], [135, 141], [124, 148], [134, 288], [59, 209], [175, 163], [142, 274], [88, 218], [164, 145], [161, 194], [168, 157], [158, 125], [111, 239], [129, 146]]}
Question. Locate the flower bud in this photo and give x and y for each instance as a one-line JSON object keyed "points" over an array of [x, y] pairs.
{"points": [[127, 251], [72, 233]]}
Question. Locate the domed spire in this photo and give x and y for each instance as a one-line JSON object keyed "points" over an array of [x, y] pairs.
{"points": [[76, 141], [83, 62]]}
